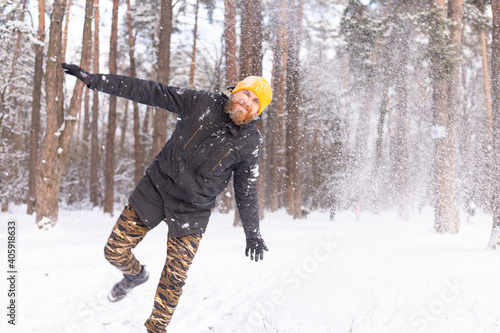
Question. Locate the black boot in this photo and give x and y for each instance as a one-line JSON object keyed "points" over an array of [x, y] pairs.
{"points": [[122, 288]]}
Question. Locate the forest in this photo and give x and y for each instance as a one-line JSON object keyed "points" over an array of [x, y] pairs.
{"points": [[382, 103]]}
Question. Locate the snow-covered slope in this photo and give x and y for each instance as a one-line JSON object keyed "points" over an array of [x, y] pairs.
{"points": [[377, 274]]}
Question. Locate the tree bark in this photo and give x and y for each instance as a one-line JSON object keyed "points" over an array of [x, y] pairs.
{"points": [[11, 88], [137, 126], [293, 133], [402, 155], [480, 4], [123, 128], [35, 116], [487, 88], [110, 136], [94, 150], [47, 181], [165, 31], [251, 39], [230, 42], [86, 121], [251, 64], [276, 113], [18, 43], [65, 31], [441, 4], [76, 99], [56, 150], [495, 94], [384, 108], [445, 112], [231, 80], [193, 53]]}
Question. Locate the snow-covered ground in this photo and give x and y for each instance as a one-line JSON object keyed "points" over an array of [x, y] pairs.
{"points": [[377, 274]]}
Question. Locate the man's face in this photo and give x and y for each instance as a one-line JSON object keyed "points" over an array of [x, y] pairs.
{"points": [[243, 106]]}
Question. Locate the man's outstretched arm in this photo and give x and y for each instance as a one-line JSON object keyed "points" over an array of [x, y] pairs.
{"points": [[151, 93]]}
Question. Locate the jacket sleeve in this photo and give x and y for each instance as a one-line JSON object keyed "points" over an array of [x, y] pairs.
{"points": [[245, 190], [173, 99]]}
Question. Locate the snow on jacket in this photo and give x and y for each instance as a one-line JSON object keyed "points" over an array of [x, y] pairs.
{"points": [[196, 163]]}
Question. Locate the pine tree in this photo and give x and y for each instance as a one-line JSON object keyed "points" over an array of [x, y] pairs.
{"points": [[165, 31], [47, 199], [94, 150], [110, 136], [35, 117], [495, 93], [446, 82]]}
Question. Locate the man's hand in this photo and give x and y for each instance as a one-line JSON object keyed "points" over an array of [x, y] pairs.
{"points": [[80, 73], [256, 247]]}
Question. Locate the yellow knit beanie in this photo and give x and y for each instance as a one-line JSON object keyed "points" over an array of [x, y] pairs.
{"points": [[260, 87]]}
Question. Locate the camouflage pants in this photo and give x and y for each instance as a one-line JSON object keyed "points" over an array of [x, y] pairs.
{"points": [[126, 234]]}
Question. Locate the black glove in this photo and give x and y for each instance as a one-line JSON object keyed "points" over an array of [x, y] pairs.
{"points": [[256, 247], [80, 73]]}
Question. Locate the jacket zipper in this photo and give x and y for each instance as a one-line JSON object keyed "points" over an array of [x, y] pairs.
{"points": [[222, 159], [192, 136]]}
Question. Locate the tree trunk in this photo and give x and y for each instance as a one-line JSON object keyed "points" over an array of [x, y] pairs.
{"points": [[275, 138], [47, 188], [94, 150], [230, 42], [359, 161], [257, 55], [137, 127], [380, 129], [86, 120], [123, 129], [56, 150], [487, 88], [165, 31], [110, 136], [346, 99], [65, 31], [257, 31], [481, 6], [13, 92], [445, 111], [251, 39], [231, 80], [193, 53], [441, 4], [402, 156], [495, 93], [251, 64], [76, 99], [35, 116], [18, 45], [293, 133]]}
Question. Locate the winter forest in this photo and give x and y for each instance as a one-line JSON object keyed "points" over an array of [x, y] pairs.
{"points": [[383, 104]]}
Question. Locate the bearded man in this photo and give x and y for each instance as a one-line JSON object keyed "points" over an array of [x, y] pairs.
{"points": [[215, 138]]}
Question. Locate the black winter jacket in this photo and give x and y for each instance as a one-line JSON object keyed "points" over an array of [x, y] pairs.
{"points": [[196, 163]]}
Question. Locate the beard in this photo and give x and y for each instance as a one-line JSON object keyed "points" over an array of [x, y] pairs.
{"points": [[239, 114]]}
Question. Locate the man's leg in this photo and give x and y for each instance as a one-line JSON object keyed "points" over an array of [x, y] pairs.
{"points": [[126, 234], [180, 254]]}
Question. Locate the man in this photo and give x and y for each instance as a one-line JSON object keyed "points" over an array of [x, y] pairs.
{"points": [[215, 137]]}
